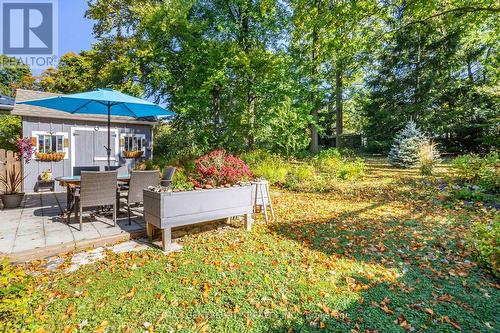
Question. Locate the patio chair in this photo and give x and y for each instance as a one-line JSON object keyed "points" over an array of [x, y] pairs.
{"points": [[96, 189], [139, 180], [77, 171], [168, 176]]}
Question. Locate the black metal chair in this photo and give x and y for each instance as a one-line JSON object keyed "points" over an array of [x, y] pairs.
{"points": [[168, 176], [77, 171]]}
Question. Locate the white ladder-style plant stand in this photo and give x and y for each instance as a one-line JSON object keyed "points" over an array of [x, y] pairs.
{"points": [[262, 198]]}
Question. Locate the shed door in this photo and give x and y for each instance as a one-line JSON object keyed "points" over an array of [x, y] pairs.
{"points": [[90, 148]]}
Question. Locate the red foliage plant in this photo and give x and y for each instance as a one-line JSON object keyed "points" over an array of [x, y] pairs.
{"points": [[25, 149], [219, 168]]}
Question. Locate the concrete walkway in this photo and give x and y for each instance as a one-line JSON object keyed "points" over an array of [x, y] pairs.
{"points": [[37, 229]]}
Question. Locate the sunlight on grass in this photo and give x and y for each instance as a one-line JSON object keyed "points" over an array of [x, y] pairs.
{"points": [[378, 254]]}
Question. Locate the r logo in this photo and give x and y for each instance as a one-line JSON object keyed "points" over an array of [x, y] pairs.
{"points": [[28, 28]]}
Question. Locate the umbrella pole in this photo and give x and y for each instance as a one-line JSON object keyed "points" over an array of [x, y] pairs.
{"points": [[109, 136]]}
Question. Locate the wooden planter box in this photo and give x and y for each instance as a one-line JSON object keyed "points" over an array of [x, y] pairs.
{"points": [[172, 209]]}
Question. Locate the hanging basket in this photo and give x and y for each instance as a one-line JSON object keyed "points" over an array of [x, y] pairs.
{"points": [[132, 153], [50, 157]]}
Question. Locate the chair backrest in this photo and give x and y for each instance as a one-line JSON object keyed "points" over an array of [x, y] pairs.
{"points": [[77, 171], [139, 180], [98, 188], [168, 175], [122, 169]]}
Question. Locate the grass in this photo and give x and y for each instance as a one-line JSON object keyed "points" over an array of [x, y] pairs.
{"points": [[381, 254]]}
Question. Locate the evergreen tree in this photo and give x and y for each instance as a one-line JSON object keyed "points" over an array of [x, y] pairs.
{"points": [[404, 152]]}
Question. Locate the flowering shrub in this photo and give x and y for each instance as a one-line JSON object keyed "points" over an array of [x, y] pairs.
{"points": [[219, 168], [25, 149]]}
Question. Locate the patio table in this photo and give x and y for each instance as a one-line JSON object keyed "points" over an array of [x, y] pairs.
{"points": [[71, 182]]}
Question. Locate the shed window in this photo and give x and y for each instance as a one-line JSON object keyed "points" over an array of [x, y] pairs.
{"points": [[133, 142], [50, 143]]}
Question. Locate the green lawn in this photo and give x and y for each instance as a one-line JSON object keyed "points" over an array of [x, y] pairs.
{"points": [[380, 254]]}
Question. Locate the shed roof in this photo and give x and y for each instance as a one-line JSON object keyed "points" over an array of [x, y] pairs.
{"points": [[6, 103], [26, 110]]}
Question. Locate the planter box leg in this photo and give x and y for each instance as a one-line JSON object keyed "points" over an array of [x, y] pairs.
{"points": [[248, 222], [167, 239], [149, 230]]}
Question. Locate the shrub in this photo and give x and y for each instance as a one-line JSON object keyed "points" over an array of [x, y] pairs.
{"points": [[269, 166], [483, 172], [428, 157], [14, 298], [484, 242], [219, 168], [404, 151], [181, 180], [10, 131], [351, 169], [147, 165], [331, 163]]}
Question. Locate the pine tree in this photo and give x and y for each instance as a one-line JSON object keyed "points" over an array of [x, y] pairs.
{"points": [[404, 151]]}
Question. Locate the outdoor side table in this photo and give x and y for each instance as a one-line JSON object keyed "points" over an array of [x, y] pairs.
{"points": [[43, 186]]}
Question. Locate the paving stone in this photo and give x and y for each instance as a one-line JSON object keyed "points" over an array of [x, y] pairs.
{"points": [[29, 242], [130, 246], [39, 225], [85, 258], [54, 263]]}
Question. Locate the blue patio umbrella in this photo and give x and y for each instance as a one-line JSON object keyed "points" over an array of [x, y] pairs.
{"points": [[104, 102]]}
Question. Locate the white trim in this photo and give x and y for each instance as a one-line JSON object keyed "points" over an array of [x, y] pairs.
{"points": [[36, 134], [92, 129], [104, 159]]}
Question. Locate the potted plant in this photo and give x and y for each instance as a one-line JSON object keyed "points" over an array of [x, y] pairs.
{"points": [[12, 182]]}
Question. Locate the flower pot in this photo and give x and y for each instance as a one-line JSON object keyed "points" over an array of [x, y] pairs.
{"points": [[12, 200]]}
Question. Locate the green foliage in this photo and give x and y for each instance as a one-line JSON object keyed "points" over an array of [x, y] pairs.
{"points": [[484, 241], [336, 163], [481, 171], [316, 174], [174, 144], [351, 169], [10, 131], [148, 165], [269, 166], [14, 298], [441, 70], [13, 75], [181, 180], [405, 149], [377, 147]]}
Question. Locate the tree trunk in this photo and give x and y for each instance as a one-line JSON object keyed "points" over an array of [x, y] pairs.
{"points": [[339, 108], [469, 72], [416, 97], [314, 146], [216, 108], [245, 41], [251, 115]]}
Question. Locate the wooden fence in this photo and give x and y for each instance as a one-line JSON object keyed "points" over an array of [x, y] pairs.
{"points": [[8, 163]]}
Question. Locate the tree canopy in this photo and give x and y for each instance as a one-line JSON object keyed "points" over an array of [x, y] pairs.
{"points": [[289, 75]]}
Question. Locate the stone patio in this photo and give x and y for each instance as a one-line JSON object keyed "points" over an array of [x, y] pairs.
{"points": [[38, 229]]}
